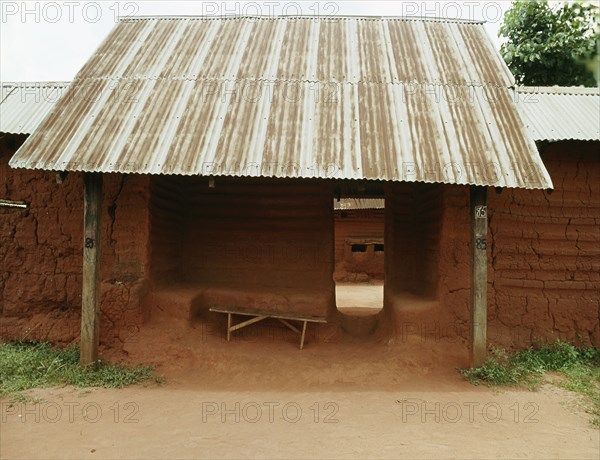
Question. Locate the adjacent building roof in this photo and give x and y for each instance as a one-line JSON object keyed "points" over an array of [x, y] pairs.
{"points": [[555, 113], [23, 106], [348, 204], [350, 98]]}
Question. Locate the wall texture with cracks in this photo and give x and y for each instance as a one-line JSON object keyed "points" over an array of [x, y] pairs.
{"points": [[454, 285], [545, 266], [41, 253], [543, 256]]}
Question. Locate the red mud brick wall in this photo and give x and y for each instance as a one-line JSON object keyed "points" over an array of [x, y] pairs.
{"points": [[412, 245], [416, 262], [414, 271], [262, 243], [454, 288], [546, 252], [358, 224], [41, 255], [125, 263], [167, 213], [543, 255]]}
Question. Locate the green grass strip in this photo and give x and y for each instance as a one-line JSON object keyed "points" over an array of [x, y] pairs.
{"points": [[25, 365], [579, 366]]}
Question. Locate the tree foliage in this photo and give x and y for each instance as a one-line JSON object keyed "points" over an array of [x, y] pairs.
{"points": [[551, 46]]}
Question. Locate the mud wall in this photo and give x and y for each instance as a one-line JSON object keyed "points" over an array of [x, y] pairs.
{"points": [[543, 256], [167, 217], [255, 237], [261, 243], [545, 278], [412, 231], [41, 253], [454, 287], [355, 226]]}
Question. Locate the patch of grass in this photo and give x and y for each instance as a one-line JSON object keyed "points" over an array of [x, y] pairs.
{"points": [[580, 366], [25, 365]]}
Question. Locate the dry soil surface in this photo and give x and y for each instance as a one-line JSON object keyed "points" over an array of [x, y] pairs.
{"points": [[259, 396], [348, 295]]}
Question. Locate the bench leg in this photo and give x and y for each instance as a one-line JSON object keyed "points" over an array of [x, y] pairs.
{"points": [[228, 326], [248, 322], [303, 335], [291, 326]]}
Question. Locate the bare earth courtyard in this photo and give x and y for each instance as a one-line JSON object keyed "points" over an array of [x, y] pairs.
{"points": [[259, 396]]}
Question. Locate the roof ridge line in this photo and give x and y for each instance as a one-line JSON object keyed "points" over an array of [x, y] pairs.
{"points": [[302, 16], [558, 90]]}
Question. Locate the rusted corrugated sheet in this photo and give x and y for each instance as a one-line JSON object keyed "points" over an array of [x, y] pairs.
{"points": [[349, 98], [24, 105], [555, 113], [358, 203]]}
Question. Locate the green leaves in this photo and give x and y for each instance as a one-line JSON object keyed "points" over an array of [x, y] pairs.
{"points": [[551, 46]]}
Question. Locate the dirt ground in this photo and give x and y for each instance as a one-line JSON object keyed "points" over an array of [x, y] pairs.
{"points": [[259, 396], [365, 295]]}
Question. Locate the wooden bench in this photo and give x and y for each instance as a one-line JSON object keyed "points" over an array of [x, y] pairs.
{"points": [[259, 315]]}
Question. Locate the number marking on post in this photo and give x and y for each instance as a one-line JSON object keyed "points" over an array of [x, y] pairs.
{"points": [[480, 212]]}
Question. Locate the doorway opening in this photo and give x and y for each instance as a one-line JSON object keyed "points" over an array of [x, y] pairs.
{"points": [[359, 226]]}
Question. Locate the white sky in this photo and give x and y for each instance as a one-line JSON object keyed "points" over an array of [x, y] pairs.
{"points": [[51, 40]]}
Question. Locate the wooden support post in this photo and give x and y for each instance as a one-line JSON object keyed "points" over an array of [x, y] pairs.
{"points": [[90, 293], [479, 221]]}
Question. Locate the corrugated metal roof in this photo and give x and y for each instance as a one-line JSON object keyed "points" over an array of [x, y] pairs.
{"points": [[352, 98], [555, 113], [358, 203], [24, 105]]}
